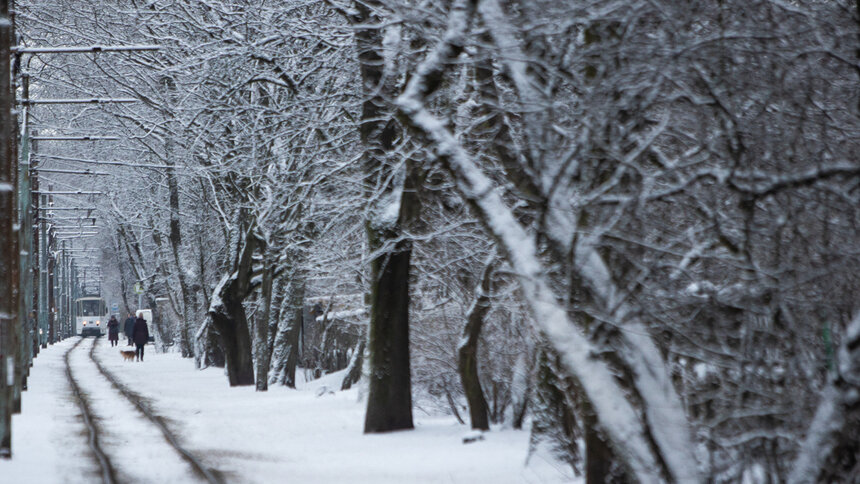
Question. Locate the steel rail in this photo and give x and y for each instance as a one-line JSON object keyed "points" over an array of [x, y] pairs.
{"points": [[201, 470], [108, 473]]}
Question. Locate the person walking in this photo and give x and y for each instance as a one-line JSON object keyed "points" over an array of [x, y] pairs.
{"points": [[113, 330], [128, 329], [140, 336]]}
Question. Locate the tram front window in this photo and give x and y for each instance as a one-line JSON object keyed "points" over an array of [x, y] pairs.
{"points": [[91, 308]]}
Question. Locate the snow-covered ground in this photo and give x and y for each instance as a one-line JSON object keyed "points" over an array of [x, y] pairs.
{"points": [[307, 435]]}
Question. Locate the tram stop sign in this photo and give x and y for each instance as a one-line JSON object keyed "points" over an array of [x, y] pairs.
{"points": [[138, 288], [114, 308]]}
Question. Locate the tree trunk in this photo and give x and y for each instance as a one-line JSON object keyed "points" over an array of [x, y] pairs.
{"points": [[228, 315], [521, 382], [353, 371], [208, 351], [297, 309], [389, 402], [467, 363], [175, 236], [261, 341], [187, 309], [287, 339], [598, 456], [236, 342]]}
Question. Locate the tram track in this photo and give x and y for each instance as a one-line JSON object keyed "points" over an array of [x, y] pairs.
{"points": [[209, 475], [108, 473], [99, 440]]}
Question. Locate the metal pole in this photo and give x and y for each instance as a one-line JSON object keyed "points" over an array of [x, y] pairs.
{"points": [[8, 303], [93, 100], [70, 301], [107, 162], [75, 295], [75, 138], [61, 298], [64, 296], [58, 294], [52, 296], [36, 252], [71, 172], [68, 192], [25, 243], [66, 293], [88, 209], [43, 278], [83, 49]]}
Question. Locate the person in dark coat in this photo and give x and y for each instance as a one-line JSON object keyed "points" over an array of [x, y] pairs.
{"points": [[128, 329], [113, 330], [140, 336]]}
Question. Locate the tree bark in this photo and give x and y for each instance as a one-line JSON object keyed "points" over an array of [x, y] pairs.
{"points": [[829, 451], [389, 402], [467, 363], [287, 339], [297, 309], [598, 454], [236, 342], [208, 350], [175, 235], [228, 315], [353, 370], [654, 450], [262, 355]]}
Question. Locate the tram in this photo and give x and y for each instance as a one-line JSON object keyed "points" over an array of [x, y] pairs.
{"points": [[91, 316]]}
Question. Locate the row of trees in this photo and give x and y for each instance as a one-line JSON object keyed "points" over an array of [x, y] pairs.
{"points": [[635, 222]]}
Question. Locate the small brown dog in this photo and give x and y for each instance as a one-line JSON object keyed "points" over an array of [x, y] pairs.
{"points": [[127, 355]]}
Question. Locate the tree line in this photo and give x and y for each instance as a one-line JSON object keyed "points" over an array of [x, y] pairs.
{"points": [[631, 225]]}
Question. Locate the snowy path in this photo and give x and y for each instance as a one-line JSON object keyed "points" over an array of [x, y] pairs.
{"points": [[49, 440], [309, 435], [97, 452], [136, 448]]}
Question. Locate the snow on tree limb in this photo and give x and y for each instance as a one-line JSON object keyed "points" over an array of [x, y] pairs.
{"points": [[617, 416], [828, 426]]}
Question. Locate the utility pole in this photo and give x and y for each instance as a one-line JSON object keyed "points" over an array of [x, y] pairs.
{"points": [[35, 250], [21, 249], [8, 234], [26, 247], [43, 277], [73, 282], [52, 292], [59, 291]]}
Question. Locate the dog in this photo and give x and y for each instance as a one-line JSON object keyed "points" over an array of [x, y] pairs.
{"points": [[127, 355]]}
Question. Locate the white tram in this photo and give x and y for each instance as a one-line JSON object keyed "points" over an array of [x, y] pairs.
{"points": [[91, 316]]}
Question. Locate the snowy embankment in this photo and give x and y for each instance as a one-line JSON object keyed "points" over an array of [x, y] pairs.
{"points": [[48, 438], [306, 435]]}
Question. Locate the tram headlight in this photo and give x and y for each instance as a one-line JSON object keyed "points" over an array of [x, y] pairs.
{"points": [[85, 323], [98, 323]]}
